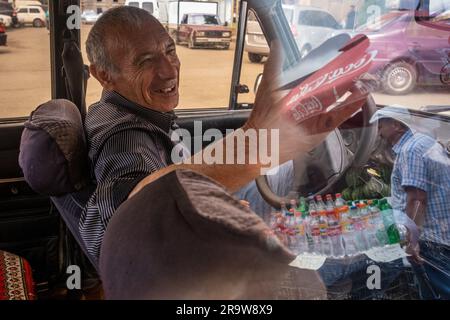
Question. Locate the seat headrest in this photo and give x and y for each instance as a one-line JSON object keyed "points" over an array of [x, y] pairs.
{"points": [[53, 151]]}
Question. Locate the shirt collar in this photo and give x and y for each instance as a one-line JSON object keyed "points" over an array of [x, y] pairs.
{"points": [[163, 120], [398, 146]]}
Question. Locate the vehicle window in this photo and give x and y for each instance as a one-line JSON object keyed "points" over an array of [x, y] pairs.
{"points": [[148, 6], [378, 23], [251, 16], [201, 84], [256, 51], [316, 19], [411, 70], [289, 13], [134, 4], [439, 6], [24, 68], [5, 8], [25, 62], [34, 10], [203, 19]]}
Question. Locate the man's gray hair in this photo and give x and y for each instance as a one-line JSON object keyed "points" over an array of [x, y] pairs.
{"points": [[109, 30]]}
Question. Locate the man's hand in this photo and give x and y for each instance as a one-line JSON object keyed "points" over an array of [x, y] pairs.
{"points": [[414, 251], [245, 203], [416, 203]]}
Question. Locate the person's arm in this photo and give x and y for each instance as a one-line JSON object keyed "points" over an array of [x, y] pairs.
{"points": [[416, 203], [125, 159], [269, 113], [415, 183]]}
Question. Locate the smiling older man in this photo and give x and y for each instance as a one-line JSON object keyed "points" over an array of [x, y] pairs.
{"points": [[128, 130]]}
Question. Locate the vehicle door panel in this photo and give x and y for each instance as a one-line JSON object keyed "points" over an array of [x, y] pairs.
{"points": [[429, 46], [29, 225]]}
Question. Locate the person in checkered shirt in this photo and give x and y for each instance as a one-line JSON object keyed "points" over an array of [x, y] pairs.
{"points": [[420, 184]]}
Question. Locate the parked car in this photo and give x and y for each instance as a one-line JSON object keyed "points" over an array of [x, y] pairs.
{"points": [[34, 15], [6, 20], [90, 16], [409, 53], [309, 25], [205, 30], [3, 35], [8, 10]]}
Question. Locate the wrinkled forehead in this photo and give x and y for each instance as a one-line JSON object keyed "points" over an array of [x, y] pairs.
{"points": [[147, 37]]}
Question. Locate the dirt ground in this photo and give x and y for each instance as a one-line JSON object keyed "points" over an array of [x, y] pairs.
{"points": [[204, 82]]}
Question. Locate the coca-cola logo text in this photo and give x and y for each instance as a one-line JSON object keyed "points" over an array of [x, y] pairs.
{"points": [[332, 76]]}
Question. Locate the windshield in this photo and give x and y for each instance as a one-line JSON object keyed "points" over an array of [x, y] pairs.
{"points": [[408, 78], [148, 6], [379, 22], [289, 13], [411, 61], [316, 18], [203, 19]]}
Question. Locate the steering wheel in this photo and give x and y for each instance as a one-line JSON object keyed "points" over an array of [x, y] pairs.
{"points": [[326, 164]]}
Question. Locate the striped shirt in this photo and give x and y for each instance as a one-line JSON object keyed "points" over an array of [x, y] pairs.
{"points": [[422, 163], [127, 142]]}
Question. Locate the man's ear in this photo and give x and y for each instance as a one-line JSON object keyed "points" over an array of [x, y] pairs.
{"points": [[399, 127], [102, 76]]}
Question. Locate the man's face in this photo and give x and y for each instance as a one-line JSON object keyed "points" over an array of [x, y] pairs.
{"points": [[148, 69], [387, 129]]}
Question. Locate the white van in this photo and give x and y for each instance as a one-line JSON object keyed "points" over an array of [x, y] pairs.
{"points": [[23, 3], [149, 5]]}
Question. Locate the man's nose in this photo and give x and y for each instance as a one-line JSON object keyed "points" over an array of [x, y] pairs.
{"points": [[167, 69]]}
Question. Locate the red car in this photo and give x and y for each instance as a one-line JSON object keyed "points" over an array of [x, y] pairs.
{"points": [[409, 53], [203, 30], [3, 35]]}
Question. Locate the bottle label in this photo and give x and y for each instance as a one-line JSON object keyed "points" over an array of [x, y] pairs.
{"points": [[315, 231], [358, 224], [301, 229], [334, 230]]}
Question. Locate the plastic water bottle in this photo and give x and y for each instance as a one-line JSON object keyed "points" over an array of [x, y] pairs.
{"points": [[370, 230], [314, 228], [377, 223], [292, 224], [323, 226], [358, 227], [389, 222], [277, 224], [334, 229], [301, 240], [302, 206], [348, 233], [319, 203], [285, 224], [339, 204]]}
